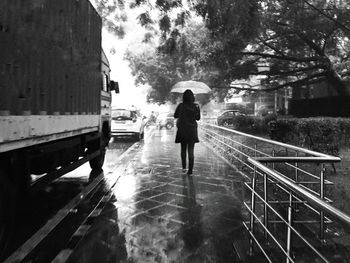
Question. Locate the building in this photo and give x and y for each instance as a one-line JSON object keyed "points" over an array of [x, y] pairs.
{"points": [[319, 100]]}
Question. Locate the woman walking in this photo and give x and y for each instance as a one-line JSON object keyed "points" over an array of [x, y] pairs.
{"points": [[187, 114]]}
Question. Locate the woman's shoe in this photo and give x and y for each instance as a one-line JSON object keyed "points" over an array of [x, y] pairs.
{"points": [[183, 170], [189, 172]]}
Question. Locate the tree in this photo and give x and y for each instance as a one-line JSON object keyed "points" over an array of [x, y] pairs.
{"points": [[113, 15], [298, 43], [177, 58], [287, 43], [301, 43]]}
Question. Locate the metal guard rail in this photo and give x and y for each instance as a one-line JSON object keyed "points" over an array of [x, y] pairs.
{"points": [[306, 195], [289, 146], [297, 194]]}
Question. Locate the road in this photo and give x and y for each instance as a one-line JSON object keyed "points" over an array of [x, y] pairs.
{"points": [[143, 208], [43, 205]]}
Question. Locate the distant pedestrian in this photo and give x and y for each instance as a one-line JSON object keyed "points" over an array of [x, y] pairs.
{"points": [[187, 114]]}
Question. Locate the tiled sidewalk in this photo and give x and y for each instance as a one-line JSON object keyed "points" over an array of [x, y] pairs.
{"points": [[159, 214]]}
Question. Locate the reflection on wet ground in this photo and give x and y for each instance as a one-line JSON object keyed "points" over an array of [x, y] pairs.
{"points": [[41, 205], [159, 214]]}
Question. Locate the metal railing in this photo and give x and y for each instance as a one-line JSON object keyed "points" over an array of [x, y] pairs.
{"points": [[288, 206]]}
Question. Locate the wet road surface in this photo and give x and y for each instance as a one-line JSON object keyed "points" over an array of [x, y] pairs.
{"points": [[40, 206], [159, 214], [144, 209]]}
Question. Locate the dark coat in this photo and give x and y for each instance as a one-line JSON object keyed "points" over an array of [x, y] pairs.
{"points": [[186, 115]]}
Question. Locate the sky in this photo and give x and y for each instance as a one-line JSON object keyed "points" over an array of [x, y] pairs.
{"points": [[130, 94], [120, 71]]}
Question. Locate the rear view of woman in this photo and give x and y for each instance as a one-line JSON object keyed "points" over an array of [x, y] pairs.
{"points": [[187, 114]]}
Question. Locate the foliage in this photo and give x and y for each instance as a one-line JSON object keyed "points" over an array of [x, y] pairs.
{"points": [[320, 134], [161, 69], [287, 43], [284, 43], [301, 44], [253, 124], [113, 16]]}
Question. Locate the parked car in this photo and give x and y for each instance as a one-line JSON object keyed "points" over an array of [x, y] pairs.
{"points": [[166, 120], [227, 117], [127, 122]]}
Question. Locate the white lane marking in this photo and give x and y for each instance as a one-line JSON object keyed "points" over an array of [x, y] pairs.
{"points": [[62, 256], [96, 212], [33, 242], [82, 230]]}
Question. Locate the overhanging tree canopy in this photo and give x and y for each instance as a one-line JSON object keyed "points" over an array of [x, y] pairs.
{"points": [[297, 42], [288, 43]]}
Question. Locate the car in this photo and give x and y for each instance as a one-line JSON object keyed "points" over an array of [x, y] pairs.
{"points": [[166, 120], [227, 117], [127, 122]]}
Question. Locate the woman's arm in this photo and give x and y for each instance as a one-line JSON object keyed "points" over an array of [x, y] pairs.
{"points": [[177, 111], [197, 113]]}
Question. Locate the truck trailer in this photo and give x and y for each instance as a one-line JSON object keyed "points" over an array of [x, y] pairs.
{"points": [[55, 96]]}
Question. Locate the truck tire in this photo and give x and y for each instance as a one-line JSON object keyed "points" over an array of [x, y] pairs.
{"points": [[137, 136], [169, 126], [96, 163], [8, 203]]}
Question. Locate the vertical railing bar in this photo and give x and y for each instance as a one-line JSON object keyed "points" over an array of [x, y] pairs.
{"points": [[289, 231], [278, 244], [252, 218], [266, 223], [296, 169], [322, 225], [255, 150], [292, 228], [296, 177], [225, 141]]}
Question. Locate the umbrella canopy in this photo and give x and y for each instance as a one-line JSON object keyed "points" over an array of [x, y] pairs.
{"points": [[196, 87]]}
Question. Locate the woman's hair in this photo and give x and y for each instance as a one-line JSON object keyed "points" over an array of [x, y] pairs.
{"points": [[188, 97]]}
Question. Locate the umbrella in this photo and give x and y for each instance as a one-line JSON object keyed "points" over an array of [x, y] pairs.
{"points": [[196, 87]]}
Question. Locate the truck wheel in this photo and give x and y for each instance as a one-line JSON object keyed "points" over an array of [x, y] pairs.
{"points": [[137, 136], [8, 200], [168, 126], [97, 162]]}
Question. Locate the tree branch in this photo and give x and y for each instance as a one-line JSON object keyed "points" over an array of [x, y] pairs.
{"points": [[287, 72], [310, 43], [316, 78], [288, 58], [271, 47], [328, 16]]}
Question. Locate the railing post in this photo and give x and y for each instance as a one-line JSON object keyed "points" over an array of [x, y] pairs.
{"points": [[296, 169], [266, 222], [273, 154], [322, 186], [255, 149], [296, 178], [289, 230], [252, 218]]}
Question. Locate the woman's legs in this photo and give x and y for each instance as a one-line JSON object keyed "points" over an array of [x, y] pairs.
{"points": [[190, 157], [183, 155]]}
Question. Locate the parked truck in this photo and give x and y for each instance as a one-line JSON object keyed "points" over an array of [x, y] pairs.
{"points": [[55, 95]]}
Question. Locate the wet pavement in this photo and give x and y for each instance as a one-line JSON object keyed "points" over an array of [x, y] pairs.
{"points": [[156, 213], [43, 205]]}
